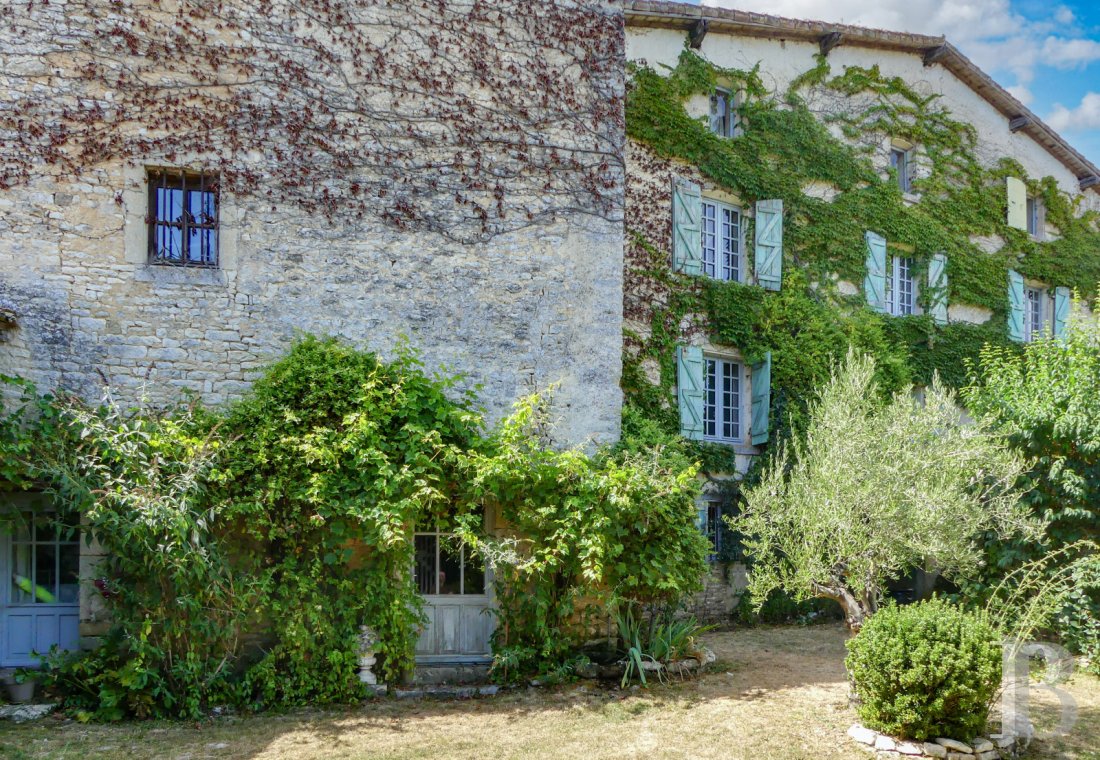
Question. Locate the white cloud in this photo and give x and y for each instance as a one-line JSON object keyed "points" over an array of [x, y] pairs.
{"points": [[1086, 115], [990, 32]]}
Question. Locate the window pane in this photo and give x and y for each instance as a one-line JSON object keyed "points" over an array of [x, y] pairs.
{"points": [[474, 574], [710, 400], [905, 286], [714, 525], [69, 587], [450, 569], [731, 244], [168, 243], [731, 400], [710, 239], [169, 203], [45, 573], [22, 580], [426, 573]]}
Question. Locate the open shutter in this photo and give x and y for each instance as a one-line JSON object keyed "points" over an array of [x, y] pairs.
{"points": [[769, 244], [689, 390], [937, 286], [687, 241], [1017, 308], [874, 282], [1016, 191], [1061, 311], [761, 398]]}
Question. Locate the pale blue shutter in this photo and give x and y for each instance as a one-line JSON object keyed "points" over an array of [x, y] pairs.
{"points": [[1061, 311], [874, 282], [687, 241], [769, 244], [1017, 306], [689, 391], [937, 284], [761, 398]]}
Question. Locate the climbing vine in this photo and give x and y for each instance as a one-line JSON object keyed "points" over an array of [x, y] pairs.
{"points": [[468, 118], [814, 147]]}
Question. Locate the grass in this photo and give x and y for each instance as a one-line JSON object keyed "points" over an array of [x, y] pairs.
{"points": [[774, 693]]}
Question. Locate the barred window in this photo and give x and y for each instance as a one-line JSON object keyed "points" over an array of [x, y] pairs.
{"points": [[183, 218]]}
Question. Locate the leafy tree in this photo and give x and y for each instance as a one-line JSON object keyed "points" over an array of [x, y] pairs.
{"points": [[875, 488]]}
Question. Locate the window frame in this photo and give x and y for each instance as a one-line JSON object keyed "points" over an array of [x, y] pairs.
{"points": [[1038, 301], [440, 536], [894, 280], [1033, 210], [63, 536], [720, 418], [722, 262], [730, 124], [712, 526], [902, 168], [187, 182]]}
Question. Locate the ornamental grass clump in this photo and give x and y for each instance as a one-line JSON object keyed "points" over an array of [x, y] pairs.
{"points": [[925, 670]]}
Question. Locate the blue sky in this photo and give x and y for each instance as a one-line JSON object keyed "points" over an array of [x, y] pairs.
{"points": [[1047, 53]]}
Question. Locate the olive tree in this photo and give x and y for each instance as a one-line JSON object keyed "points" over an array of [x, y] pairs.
{"points": [[876, 487]]}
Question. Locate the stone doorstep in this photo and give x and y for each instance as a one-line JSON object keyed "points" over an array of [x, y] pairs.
{"points": [[22, 713], [447, 692]]}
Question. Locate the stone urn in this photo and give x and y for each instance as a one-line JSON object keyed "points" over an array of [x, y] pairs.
{"points": [[368, 643]]}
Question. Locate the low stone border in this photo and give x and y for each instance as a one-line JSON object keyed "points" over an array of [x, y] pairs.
{"points": [[680, 668], [993, 747], [21, 713]]}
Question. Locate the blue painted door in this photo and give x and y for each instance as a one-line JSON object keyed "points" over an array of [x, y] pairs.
{"points": [[40, 593]]}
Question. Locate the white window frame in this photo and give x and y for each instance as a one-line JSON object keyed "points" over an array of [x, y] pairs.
{"points": [[723, 241], [900, 279], [1037, 316], [900, 162], [724, 415]]}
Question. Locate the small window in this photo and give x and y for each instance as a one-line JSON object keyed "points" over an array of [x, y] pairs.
{"points": [[721, 241], [1035, 217], [1035, 319], [183, 218], [723, 113], [712, 527], [721, 400], [444, 568], [901, 286], [899, 162]]}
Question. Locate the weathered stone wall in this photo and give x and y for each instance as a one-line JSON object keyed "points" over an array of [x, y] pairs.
{"points": [[529, 300]]}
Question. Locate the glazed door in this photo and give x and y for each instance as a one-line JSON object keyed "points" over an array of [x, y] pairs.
{"points": [[39, 595], [457, 601]]}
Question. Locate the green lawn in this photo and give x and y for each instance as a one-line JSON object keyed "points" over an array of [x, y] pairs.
{"points": [[775, 693]]}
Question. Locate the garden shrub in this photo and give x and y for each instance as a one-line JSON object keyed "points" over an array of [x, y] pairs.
{"points": [[925, 670]]}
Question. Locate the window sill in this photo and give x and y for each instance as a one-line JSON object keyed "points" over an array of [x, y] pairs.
{"points": [[166, 274], [910, 198]]}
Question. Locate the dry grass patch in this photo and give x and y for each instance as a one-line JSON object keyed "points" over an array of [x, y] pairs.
{"points": [[777, 693]]}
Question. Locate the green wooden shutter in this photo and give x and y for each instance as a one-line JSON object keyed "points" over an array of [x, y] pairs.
{"points": [[769, 244], [1016, 192], [761, 398], [689, 390], [937, 284], [874, 282], [1017, 306], [1061, 311], [687, 240]]}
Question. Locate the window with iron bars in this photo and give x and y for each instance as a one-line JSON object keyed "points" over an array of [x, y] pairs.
{"points": [[183, 218]]}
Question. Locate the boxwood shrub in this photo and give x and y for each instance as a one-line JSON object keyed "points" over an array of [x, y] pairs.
{"points": [[925, 670]]}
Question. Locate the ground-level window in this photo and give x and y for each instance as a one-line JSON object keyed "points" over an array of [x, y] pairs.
{"points": [[721, 235], [1035, 318], [901, 286], [45, 561], [721, 400], [445, 566], [712, 525]]}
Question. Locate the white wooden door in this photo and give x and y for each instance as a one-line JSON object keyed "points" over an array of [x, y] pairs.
{"points": [[457, 601], [39, 595]]}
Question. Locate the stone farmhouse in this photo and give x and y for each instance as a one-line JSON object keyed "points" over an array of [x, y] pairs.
{"points": [[180, 199]]}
